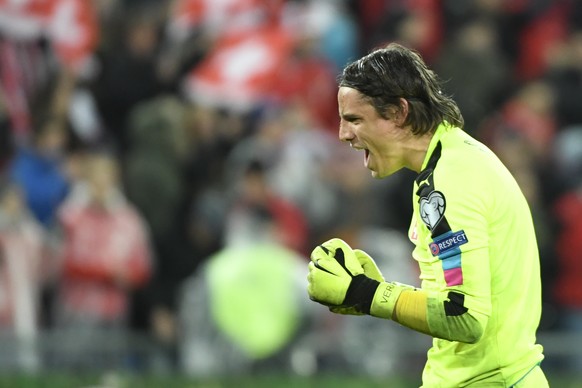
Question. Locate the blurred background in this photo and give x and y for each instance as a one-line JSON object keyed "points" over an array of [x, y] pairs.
{"points": [[166, 167]]}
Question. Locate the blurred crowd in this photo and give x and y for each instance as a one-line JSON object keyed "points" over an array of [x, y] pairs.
{"points": [[166, 167]]}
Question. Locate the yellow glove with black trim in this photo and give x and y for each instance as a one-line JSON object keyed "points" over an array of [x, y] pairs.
{"points": [[337, 279], [349, 281], [371, 270]]}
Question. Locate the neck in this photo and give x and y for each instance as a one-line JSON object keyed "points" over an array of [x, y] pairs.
{"points": [[416, 151]]}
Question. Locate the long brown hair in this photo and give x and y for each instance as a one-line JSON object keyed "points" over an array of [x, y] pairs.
{"points": [[393, 72]]}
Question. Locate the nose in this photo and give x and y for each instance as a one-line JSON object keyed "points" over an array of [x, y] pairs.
{"points": [[345, 132]]}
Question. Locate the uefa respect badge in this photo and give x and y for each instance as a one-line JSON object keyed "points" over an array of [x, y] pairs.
{"points": [[447, 242]]}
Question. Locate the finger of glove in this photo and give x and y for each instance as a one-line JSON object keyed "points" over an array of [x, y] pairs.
{"points": [[371, 270], [312, 279], [321, 303], [319, 252], [325, 287], [328, 263], [344, 255], [344, 310]]}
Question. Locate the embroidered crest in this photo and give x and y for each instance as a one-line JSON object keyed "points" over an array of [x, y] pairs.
{"points": [[432, 208]]}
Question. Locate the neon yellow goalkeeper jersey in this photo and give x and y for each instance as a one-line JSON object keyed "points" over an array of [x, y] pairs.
{"points": [[476, 247]]}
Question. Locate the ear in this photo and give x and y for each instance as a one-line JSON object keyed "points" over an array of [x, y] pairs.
{"points": [[401, 113]]}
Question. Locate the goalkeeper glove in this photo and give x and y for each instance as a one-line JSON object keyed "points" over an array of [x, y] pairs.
{"points": [[371, 270], [337, 279]]}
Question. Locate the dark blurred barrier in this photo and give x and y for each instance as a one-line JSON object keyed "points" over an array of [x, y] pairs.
{"points": [[137, 353], [561, 344]]}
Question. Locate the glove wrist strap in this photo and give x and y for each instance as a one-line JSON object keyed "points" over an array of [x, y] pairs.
{"points": [[385, 298], [361, 292]]}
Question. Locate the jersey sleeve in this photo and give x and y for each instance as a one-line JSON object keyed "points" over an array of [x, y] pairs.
{"points": [[454, 207]]}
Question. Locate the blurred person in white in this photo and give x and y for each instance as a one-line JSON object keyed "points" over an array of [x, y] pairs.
{"points": [[105, 254], [243, 311], [21, 262], [300, 173]]}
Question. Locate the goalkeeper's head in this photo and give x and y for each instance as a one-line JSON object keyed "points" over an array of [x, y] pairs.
{"points": [[388, 74]]}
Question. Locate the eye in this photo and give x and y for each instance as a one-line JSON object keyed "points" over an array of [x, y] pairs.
{"points": [[352, 120]]}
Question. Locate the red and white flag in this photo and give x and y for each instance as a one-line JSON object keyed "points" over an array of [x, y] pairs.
{"points": [[242, 69], [70, 26]]}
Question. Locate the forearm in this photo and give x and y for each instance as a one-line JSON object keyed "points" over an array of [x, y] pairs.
{"points": [[349, 283], [437, 314], [411, 311]]}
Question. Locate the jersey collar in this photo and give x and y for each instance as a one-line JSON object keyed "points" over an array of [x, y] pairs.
{"points": [[441, 130]]}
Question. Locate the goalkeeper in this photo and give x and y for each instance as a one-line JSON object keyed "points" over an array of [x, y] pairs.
{"points": [[472, 229]]}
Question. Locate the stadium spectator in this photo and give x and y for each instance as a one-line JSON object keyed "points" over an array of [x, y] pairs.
{"points": [[254, 192], [156, 183], [128, 66], [529, 114], [512, 66], [416, 24], [565, 75], [22, 269], [39, 169], [105, 254], [254, 276], [39, 41], [474, 49], [567, 209]]}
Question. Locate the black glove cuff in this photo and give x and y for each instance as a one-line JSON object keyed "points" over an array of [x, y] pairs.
{"points": [[361, 293]]}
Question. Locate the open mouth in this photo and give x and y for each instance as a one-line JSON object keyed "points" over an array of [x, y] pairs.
{"points": [[366, 153]]}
